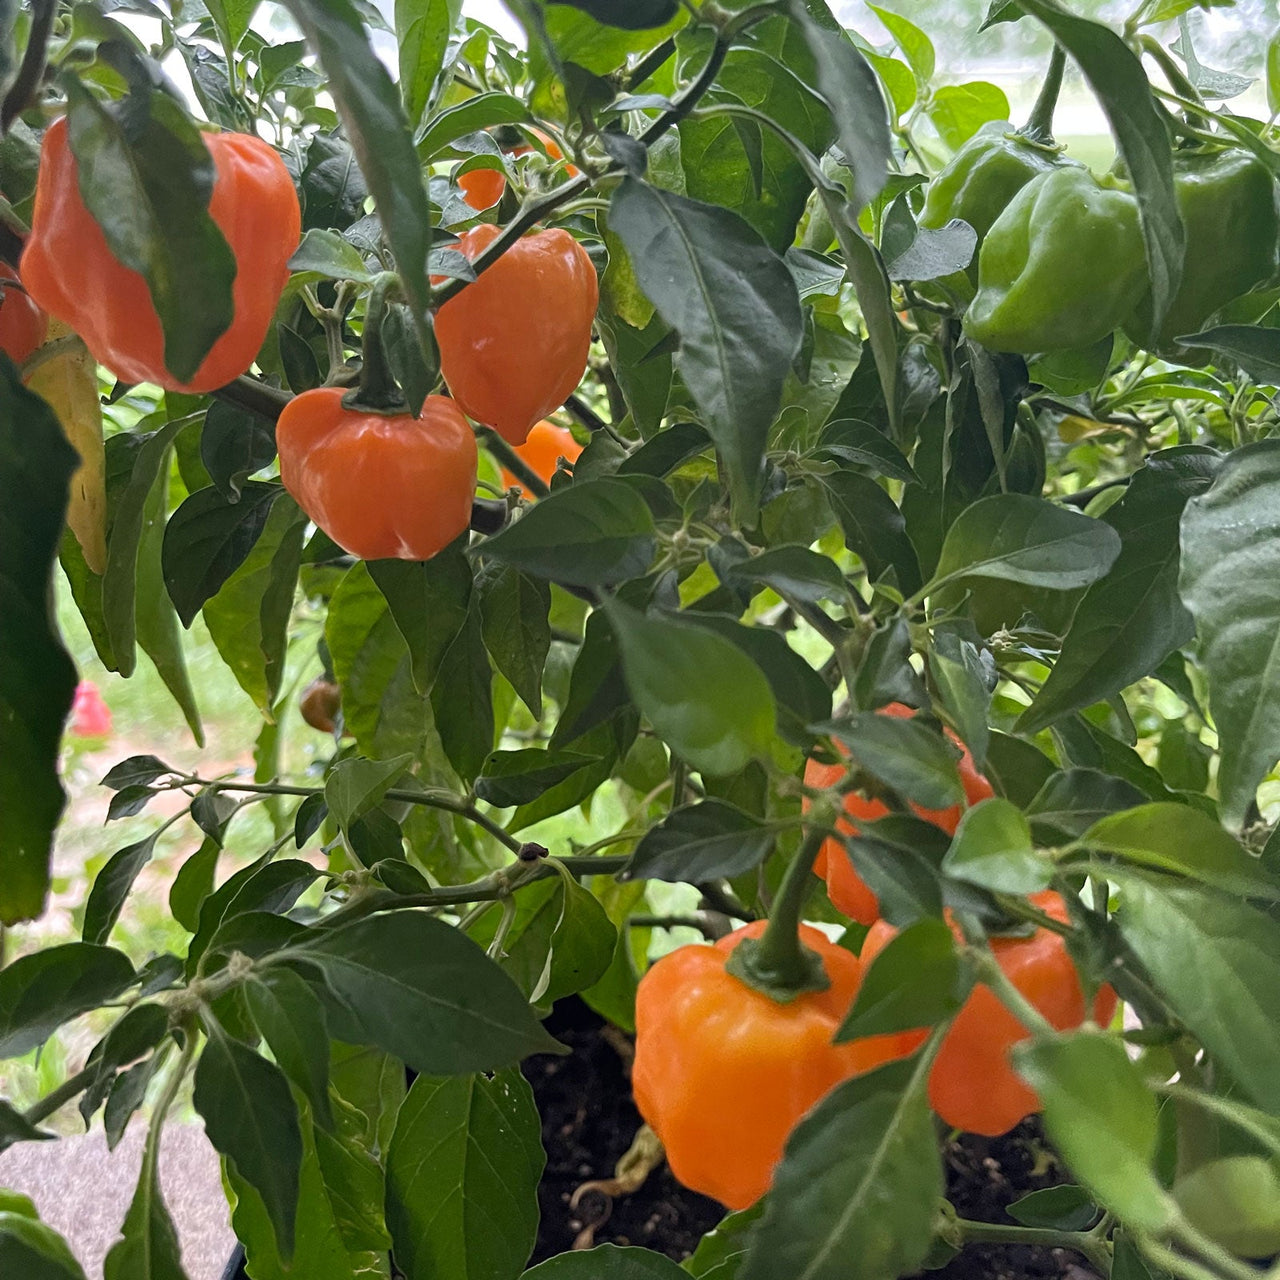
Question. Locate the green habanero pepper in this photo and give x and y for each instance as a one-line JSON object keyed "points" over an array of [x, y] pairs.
{"points": [[1227, 200], [994, 165], [1061, 267]]}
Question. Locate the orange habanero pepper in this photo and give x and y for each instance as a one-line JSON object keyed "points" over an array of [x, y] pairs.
{"points": [[845, 887], [723, 1072], [380, 485], [22, 324], [546, 445], [483, 188], [972, 1085], [70, 271], [513, 344]]}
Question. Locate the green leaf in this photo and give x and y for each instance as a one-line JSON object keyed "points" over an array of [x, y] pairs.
{"points": [[249, 616], [520, 777], [792, 571], [735, 307], [134, 1036], [41, 991], [291, 1019], [916, 47], [250, 1117], [630, 15], [589, 534], [1130, 620], [1064, 1208], [232, 18], [852, 91], [963, 673], [722, 1251], [374, 121], [857, 1191], [873, 526], [935, 252], [37, 678], [904, 754], [1183, 841], [233, 445], [33, 1251], [428, 600], [193, 884], [861, 445], [704, 697], [462, 699], [149, 1248], [1230, 559], [916, 981], [516, 627], [994, 850], [958, 111], [14, 1128], [709, 840], [1216, 962], [207, 539], [326, 254], [111, 887], [1070, 801], [1101, 1115], [423, 28], [462, 1177], [355, 786], [607, 1262], [1016, 538], [147, 176], [421, 990], [483, 111], [1119, 82]]}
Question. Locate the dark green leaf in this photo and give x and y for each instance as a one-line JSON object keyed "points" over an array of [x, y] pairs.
{"points": [[290, 1017], [904, 754], [1216, 962], [704, 841], [792, 571], [423, 991], [37, 678], [207, 539], [233, 445], [885, 673], [127, 1093], [861, 445], [935, 252], [15, 1127], [993, 849], [149, 1248], [250, 1117], [734, 305], [1065, 1208], [111, 886], [136, 771], [856, 1194], [1255, 348], [607, 1262], [874, 529], [515, 624], [965, 675], [356, 786], [1103, 1118], [130, 801], [1130, 620], [1230, 558], [378, 132], [135, 1035], [147, 176], [1070, 801], [33, 1251], [520, 777], [1017, 538], [423, 28], [193, 884], [705, 698], [723, 1250], [326, 254], [916, 981], [462, 699], [631, 15], [41, 991], [589, 534]]}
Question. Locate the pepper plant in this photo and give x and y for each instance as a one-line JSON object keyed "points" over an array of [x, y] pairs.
{"points": [[918, 523]]}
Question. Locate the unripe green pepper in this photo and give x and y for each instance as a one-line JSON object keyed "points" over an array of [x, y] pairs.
{"points": [[1061, 267], [1227, 201]]}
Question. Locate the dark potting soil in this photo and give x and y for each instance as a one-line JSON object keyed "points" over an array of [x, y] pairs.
{"points": [[589, 1121]]}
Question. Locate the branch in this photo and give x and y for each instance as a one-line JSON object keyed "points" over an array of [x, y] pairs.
{"points": [[31, 72]]}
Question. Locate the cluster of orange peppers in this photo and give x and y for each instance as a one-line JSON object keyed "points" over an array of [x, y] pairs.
{"points": [[381, 482], [723, 1071]]}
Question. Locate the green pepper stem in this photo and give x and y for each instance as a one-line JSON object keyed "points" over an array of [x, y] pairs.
{"points": [[1040, 122], [513, 462], [1173, 73], [778, 963], [378, 391]]}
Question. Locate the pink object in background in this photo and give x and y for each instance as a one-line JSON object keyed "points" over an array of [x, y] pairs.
{"points": [[90, 715]]}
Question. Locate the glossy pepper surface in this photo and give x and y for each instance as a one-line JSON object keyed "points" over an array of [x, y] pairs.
{"points": [[723, 1072], [1062, 266], [381, 486], [513, 344], [22, 324], [1228, 205], [847, 890], [983, 177], [70, 271], [544, 448], [972, 1085]]}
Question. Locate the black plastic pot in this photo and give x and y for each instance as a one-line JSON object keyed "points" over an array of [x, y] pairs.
{"points": [[235, 1268]]}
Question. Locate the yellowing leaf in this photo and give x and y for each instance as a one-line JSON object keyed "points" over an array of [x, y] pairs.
{"points": [[68, 381]]}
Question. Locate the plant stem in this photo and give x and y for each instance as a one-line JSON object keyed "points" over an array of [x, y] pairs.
{"points": [[1040, 122], [254, 396], [988, 971], [1083, 1242], [30, 73], [513, 462], [60, 1096], [585, 414], [377, 392], [651, 62]]}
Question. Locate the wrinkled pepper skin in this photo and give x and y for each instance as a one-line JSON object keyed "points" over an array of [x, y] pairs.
{"points": [[1228, 207], [983, 177], [972, 1085], [1062, 266], [382, 486], [514, 344], [71, 273], [723, 1072], [848, 892]]}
